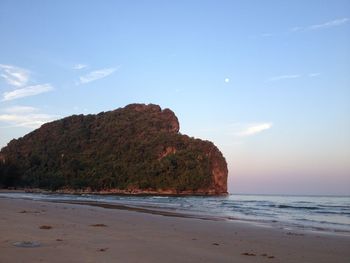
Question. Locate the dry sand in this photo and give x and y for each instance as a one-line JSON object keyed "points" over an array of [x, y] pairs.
{"points": [[83, 233]]}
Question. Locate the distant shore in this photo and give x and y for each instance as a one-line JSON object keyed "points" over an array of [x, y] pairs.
{"points": [[65, 232], [140, 192]]}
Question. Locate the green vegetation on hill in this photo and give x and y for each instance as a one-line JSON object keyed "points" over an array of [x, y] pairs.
{"points": [[136, 147]]}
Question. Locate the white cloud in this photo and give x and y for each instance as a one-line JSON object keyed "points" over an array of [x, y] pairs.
{"points": [[19, 78], [79, 66], [333, 23], [97, 74], [312, 75], [253, 129], [20, 109], [14, 76], [328, 24], [23, 116], [26, 92], [281, 77]]}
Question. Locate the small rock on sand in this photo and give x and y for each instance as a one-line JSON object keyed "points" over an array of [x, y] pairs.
{"points": [[99, 225], [27, 244], [45, 227]]}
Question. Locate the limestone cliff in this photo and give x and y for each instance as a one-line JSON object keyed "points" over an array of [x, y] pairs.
{"points": [[135, 149]]}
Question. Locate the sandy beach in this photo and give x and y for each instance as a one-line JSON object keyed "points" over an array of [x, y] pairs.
{"points": [[66, 232]]}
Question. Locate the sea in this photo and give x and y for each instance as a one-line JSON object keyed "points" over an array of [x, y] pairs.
{"points": [[323, 214]]}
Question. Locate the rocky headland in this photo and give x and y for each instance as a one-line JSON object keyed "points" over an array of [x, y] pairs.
{"points": [[132, 150]]}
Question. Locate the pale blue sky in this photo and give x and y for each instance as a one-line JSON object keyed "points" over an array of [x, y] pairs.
{"points": [[267, 81]]}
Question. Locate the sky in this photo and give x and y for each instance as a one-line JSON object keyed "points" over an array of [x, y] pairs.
{"points": [[267, 81]]}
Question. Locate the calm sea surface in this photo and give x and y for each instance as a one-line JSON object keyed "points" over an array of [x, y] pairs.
{"points": [[315, 213]]}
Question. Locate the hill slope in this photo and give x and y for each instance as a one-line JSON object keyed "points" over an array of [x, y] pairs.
{"points": [[136, 149]]}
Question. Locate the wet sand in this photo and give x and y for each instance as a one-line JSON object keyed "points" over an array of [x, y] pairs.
{"points": [[64, 232]]}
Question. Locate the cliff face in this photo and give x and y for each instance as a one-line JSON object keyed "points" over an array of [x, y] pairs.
{"points": [[135, 149]]}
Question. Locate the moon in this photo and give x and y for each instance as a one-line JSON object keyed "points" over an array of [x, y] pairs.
{"points": [[227, 80]]}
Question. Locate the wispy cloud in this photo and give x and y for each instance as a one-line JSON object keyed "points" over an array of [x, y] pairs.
{"points": [[297, 28], [253, 129], [312, 75], [19, 78], [294, 76], [14, 76], [333, 23], [282, 77], [24, 116], [20, 109], [97, 74], [79, 66], [27, 91], [328, 24], [266, 35], [260, 36]]}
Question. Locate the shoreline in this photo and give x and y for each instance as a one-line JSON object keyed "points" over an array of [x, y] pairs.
{"points": [[117, 192], [85, 233], [163, 212], [159, 209]]}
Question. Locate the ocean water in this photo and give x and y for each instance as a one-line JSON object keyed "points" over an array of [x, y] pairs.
{"points": [[329, 214]]}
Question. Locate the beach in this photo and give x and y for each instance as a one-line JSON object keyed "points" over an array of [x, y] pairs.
{"points": [[64, 232]]}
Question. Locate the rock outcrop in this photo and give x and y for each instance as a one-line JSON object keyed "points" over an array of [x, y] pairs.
{"points": [[136, 149]]}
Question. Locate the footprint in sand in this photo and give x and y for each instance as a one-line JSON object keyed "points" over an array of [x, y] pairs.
{"points": [[266, 255], [27, 212]]}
